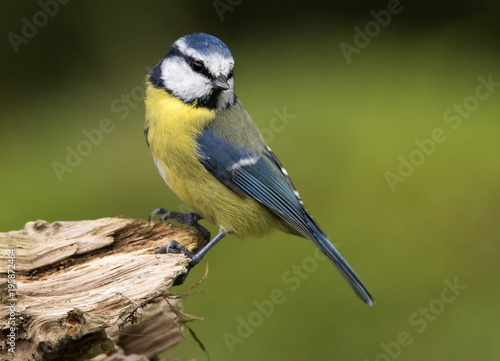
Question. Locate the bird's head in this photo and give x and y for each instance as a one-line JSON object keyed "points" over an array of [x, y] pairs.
{"points": [[198, 70]]}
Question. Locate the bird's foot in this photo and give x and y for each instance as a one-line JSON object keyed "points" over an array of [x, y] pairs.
{"points": [[191, 219], [175, 247]]}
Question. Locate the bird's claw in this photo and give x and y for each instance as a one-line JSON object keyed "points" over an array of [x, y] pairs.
{"points": [[161, 211], [176, 248], [191, 219]]}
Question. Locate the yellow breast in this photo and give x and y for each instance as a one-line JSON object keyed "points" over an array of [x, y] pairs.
{"points": [[172, 128]]}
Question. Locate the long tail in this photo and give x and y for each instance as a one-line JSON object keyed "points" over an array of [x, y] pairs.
{"points": [[347, 272]]}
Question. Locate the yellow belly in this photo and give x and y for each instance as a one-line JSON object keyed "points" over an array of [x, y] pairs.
{"points": [[173, 127]]}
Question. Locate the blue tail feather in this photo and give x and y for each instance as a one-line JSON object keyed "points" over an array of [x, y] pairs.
{"points": [[347, 272]]}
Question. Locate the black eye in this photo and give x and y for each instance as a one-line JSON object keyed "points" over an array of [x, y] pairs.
{"points": [[197, 65], [230, 75]]}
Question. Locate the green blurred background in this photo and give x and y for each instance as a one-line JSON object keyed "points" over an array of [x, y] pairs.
{"points": [[352, 122]]}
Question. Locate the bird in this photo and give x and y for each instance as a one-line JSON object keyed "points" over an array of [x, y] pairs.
{"points": [[213, 157]]}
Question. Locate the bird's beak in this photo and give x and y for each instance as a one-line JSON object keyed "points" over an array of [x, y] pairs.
{"points": [[220, 82]]}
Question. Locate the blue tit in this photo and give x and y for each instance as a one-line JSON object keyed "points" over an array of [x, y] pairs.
{"points": [[210, 153]]}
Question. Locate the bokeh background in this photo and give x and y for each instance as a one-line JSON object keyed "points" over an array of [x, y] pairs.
{"points": [[354, 120]]}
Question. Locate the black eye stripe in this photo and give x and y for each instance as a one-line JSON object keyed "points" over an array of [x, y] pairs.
{"points": [[198, 66], [175, 52]]}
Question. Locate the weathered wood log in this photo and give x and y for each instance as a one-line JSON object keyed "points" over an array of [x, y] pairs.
{"points": [[76, 290]]}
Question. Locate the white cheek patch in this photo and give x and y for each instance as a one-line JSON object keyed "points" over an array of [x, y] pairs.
{"points": [[182, 81]]}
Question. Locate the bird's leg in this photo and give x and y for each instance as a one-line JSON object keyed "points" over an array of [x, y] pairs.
{"points": [[175, 247], [191, 219], [199, 256]]}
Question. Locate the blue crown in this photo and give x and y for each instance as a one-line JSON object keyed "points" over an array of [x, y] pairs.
{"points": [[207, 44]]}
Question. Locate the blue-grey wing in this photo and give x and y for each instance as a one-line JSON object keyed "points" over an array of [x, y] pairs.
{"points": [[255, 174]]}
